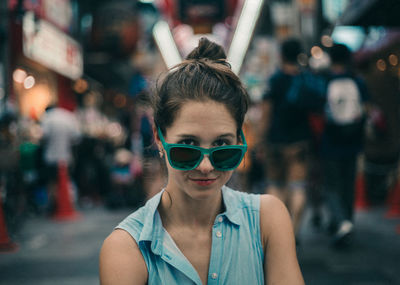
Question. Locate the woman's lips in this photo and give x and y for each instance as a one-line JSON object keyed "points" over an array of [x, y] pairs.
{"points": [[204, 181]]}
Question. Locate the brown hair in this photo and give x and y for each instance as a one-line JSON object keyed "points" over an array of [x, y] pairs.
{"points": [[204, 75]]}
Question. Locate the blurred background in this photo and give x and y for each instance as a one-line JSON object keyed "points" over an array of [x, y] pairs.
{"points": [[76, 150]]}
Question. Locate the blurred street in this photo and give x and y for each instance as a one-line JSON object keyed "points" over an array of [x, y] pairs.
{"points": [[78, 83], [66, 253], [373, 259], [52, 252]]}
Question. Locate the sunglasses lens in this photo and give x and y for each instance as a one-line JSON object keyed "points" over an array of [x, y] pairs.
{"points": [[227, 158], [185, 158]]}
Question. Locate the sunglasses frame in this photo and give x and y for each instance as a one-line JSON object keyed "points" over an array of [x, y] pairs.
{"points": [[203, 151]]}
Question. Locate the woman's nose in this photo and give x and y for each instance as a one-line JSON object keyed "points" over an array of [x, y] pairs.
{"points": [[205, 165]]}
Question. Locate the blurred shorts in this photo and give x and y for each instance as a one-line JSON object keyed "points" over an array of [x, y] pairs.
{"points": [[286, 163]]}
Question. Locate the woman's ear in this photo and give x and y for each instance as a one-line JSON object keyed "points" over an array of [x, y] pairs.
{"points": [[157, 138], [155, 135], [158, 142]]}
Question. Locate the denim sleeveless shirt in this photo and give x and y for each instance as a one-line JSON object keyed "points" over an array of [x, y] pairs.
{"points": [[237, 255]]}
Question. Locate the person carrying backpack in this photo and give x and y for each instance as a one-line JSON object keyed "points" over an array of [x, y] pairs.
{"points": [[286, 129], [342, 140]]}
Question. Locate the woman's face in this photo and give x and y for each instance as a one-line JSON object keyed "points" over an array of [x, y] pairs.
{"points": [[205, 124]]}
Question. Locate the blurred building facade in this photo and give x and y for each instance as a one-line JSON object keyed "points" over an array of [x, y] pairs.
{"points": [[43, 57]]}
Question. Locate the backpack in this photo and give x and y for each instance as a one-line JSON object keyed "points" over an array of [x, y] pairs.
{"points": [[344, 111], [343, 101], [304, 97], [306, 92]]}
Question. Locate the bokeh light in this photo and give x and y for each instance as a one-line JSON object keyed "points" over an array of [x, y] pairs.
{"points": [[326, 41], [381, 65], [19, 75], [29, 82], [81, 86], [393, 59]]}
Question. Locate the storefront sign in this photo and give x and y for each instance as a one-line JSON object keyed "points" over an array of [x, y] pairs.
{"points": [[58, 12], [44, 43]]}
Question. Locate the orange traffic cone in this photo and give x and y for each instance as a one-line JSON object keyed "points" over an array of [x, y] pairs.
{"points": [[361, 201], [6, 245], [393, 202], [64, 206]]}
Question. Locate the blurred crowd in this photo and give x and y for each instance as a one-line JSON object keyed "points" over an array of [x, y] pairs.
{"points": [[111, 159]]}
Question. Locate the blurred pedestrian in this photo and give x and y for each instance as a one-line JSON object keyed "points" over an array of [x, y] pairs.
{"points": [[29, 162], [197, 230], [342, 140], [145, 151], [291, 96], [94, 151], [60, 133]]}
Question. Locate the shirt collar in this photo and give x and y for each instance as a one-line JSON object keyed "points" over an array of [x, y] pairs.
{"points": [[232, 206], [152, 228]]}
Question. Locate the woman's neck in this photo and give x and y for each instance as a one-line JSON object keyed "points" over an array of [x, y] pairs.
{"points": [[182, 211]]}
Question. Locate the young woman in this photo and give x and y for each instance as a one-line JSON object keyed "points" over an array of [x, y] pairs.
{"points": [[196, 230]]}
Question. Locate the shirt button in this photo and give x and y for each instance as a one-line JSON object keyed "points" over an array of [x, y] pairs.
{"points": [[218, 234], [220, 219], [214, 275]]}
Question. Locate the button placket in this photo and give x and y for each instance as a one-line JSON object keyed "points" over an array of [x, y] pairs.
{"points": [[216, 252]]}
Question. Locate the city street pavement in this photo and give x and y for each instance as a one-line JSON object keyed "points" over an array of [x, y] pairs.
{"points": [[66, 253], [373, 258], [59, 253]]}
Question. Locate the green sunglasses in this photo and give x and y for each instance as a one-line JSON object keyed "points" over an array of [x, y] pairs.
{"points": [[188, 157]]}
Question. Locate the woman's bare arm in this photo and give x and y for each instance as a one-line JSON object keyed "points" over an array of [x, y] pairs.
{"points": [[281, 265], [121, 261]]}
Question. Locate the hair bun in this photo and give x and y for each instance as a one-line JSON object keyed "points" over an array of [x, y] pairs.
{"points": [[207, 50]]}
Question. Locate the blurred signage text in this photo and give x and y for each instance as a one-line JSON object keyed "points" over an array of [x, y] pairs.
{"points": [[44, 43], [57, 12]]}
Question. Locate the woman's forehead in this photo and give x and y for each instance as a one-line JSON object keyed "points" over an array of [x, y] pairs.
{"points": [[207, 110], [208, 115]]}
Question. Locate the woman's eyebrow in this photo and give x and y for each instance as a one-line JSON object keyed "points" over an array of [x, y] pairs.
{"points": [[227, 135], [188, 136]]}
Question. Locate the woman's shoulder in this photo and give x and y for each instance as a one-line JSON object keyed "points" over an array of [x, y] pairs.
{"points": [[271, 207], [120, 239], [267, 200], [278, 242], [273, 215], [121, 261], [121, 257]]}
